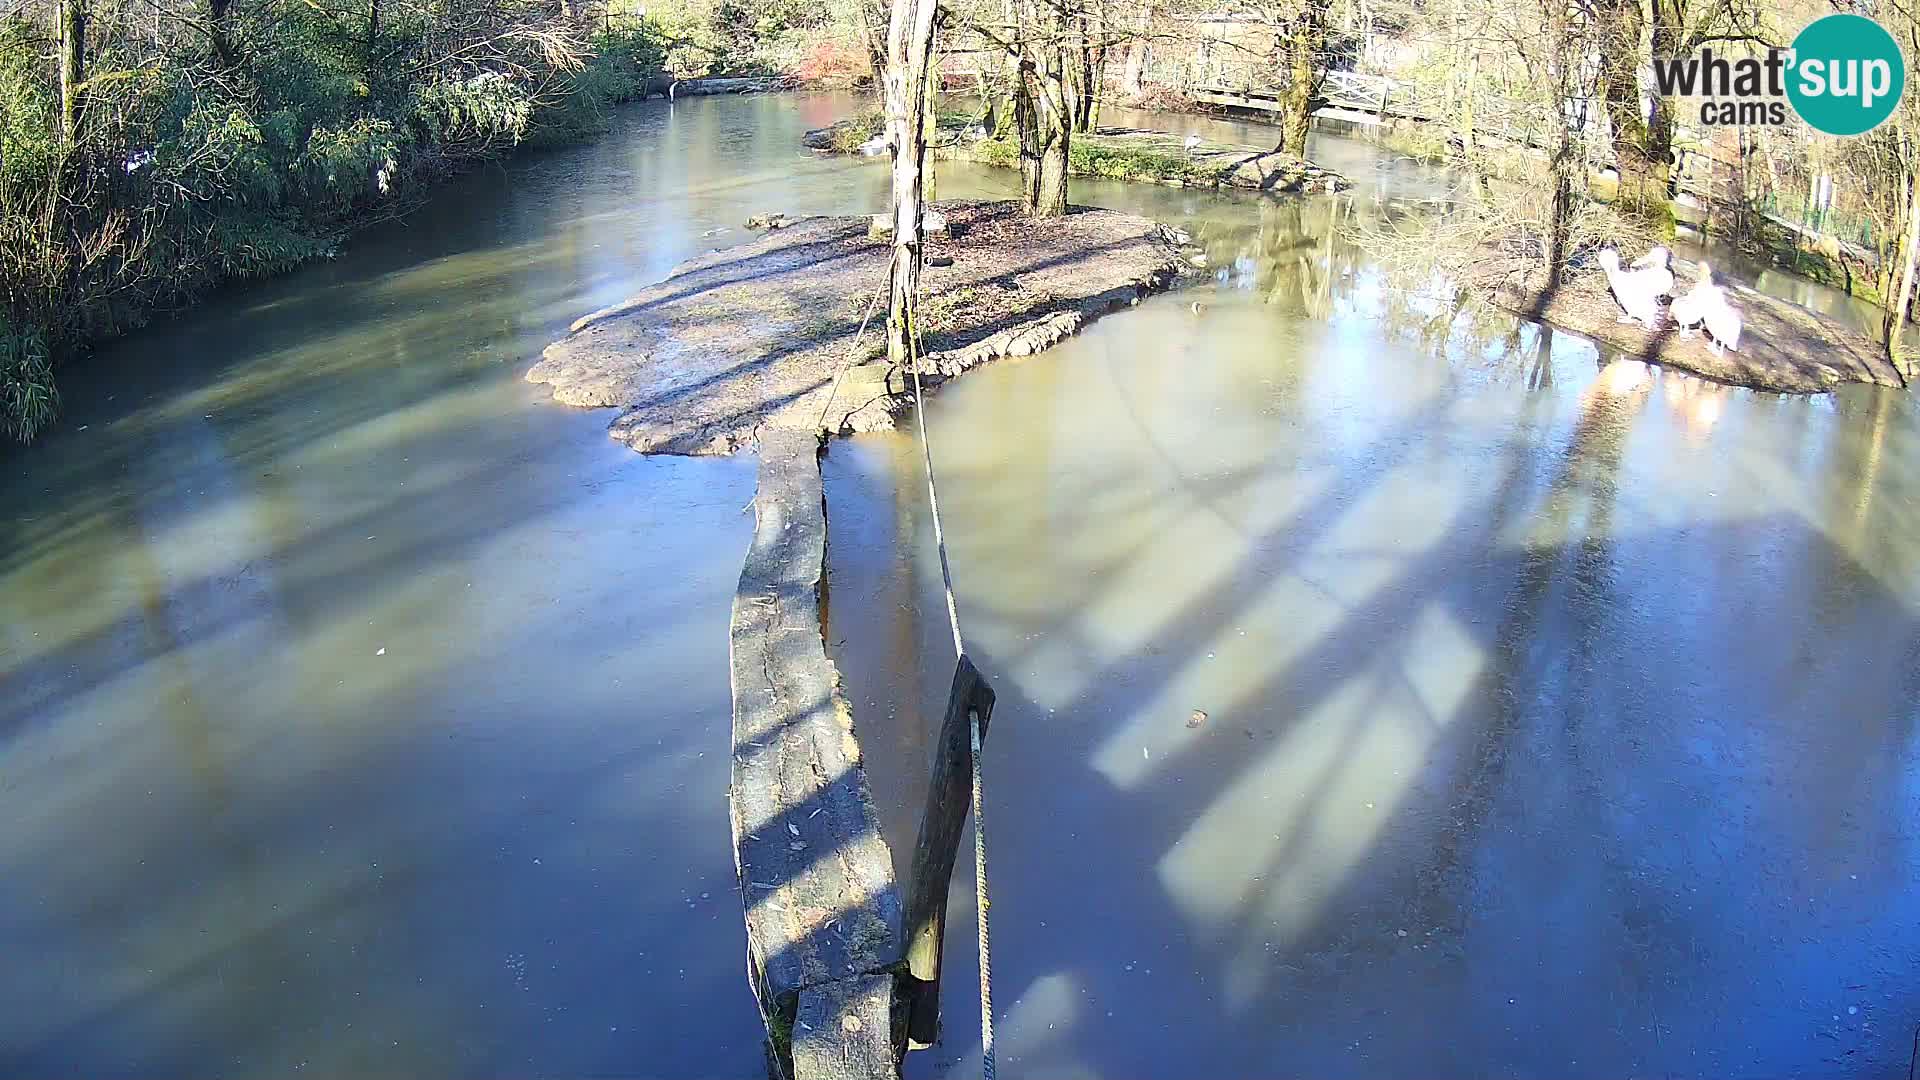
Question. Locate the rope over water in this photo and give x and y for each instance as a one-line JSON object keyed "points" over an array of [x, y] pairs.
{"points": [[847, 360], [980, 901]]}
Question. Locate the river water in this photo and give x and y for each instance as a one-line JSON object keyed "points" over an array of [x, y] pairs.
{"points": [[365, 712]]}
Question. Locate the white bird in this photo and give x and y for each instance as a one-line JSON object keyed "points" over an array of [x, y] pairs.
{"points": [[1193, 143], [874, 147], [1660, 261], [1634, 289], [1707, 303], [979, 131]]}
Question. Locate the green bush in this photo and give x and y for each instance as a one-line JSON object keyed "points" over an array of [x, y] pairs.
{"points": [[1086, 158], [1004, 153], [28, 102], [850, 134], [192, 170], [1090, 159], [625, 57], [28, 398]]}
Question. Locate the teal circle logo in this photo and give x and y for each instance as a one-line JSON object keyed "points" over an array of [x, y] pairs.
{"points": [[1848, 74]]}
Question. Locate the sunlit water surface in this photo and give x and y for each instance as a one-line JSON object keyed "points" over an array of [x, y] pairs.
{"points": [[1558, 721], [365, 712]]}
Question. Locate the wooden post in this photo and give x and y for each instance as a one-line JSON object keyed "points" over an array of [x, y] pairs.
{"points": [[816, 878], [949, 798]]}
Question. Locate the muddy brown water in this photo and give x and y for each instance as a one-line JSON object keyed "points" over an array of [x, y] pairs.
{"points": [[1557, 723], [365, 712]]}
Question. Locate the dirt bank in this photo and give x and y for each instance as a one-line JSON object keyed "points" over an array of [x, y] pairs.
{"points": [[1118, 153], [754, 335], [1783, 347]]}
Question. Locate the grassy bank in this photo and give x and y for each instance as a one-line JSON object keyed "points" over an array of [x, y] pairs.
{"points": [[242, 148], [1088, 158]]}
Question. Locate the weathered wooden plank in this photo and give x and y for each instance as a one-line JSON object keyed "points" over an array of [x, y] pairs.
{"points": [[949, 797], [815, 875], [1242, 101], [842, 1030]]}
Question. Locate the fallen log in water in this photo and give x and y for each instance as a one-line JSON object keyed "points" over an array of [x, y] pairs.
{"points": [[816, 878]]}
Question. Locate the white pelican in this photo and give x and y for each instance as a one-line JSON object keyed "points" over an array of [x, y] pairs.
{"points": [[1707, 303], [1660, 261], [1636, 290]]}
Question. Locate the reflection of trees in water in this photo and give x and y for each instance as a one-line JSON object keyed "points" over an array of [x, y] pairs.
{"points": [[1542, 729], [1311, 257], [1293, 255]]}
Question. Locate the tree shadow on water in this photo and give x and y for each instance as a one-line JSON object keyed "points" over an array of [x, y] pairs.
{"points": [[1520, 791]]}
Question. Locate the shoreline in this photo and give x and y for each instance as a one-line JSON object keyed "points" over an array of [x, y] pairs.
{"points": [[1120, 153], [761, 335], [1784, 348], [406, 199]]}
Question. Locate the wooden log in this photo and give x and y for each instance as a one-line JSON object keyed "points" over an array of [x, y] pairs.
{"points": [[842, 1031], [816, 877], [949, 798]]}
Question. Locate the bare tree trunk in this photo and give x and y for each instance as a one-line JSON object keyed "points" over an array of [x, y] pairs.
{"points": [[1045, 138], [1133, 72], [1090, 65], [1468, 139], [909, 48], [1896, 323], [220, 33], [1026, 122], [1642, 189], [72, 39], [1559, 61], [1043, 107], [1662, 40], [1305, 42], [373, 40], [1073, 75], [873, 32], [1050, 186]]}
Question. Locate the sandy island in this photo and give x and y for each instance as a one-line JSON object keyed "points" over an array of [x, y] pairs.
{"points": [[1784, 347], [754, 335]]}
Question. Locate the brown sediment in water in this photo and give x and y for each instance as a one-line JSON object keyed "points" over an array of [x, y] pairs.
{"points": [[1783, 347], [754, 336]]}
